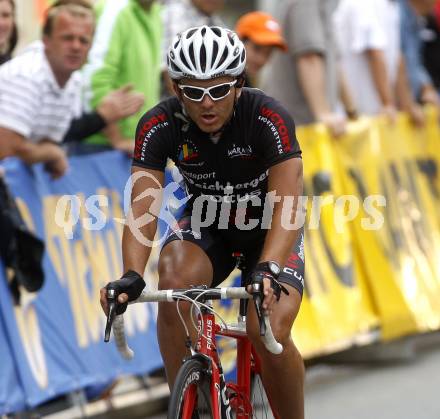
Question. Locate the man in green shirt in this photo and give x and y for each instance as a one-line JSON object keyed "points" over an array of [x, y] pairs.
{"points": [[126, 49]]}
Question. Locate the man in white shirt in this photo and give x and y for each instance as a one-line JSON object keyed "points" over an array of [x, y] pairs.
{"points": [[40, 93], [371, 58]]}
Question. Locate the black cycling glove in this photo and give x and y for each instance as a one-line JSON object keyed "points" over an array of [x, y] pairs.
{"points": [[260, 272], [132, 284]]}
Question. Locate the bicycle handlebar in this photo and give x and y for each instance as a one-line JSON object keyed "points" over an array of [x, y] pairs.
{"points": [[233, 293]]}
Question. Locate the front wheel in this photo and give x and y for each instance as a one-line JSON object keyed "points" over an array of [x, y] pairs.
{"points": [[190, 397], [260, 403]]}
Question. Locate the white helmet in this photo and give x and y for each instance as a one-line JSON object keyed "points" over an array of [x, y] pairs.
{"points": [[206, 52]]}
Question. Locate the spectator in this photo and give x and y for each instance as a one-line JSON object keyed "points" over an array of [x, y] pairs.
{"points": [[179, 15], [40, 92], [126, 49], [116, 105], [369, 41], [413, 13], [306, 80], [8, 30], [431, 46], [261, 35]]}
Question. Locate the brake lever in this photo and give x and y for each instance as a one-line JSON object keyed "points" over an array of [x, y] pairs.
{"points": [[256, 294], [111, 299]]}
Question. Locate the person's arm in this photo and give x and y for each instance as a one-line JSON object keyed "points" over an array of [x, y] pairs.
{"points": [[346, 95], [381, 80], [286, 180], [45, 151], [404, 95], [118, 104], [87, 124], [10, 143], [311, 72], [419, 79], [117, 140], [428, 95], [28, 151], [141, 224]]}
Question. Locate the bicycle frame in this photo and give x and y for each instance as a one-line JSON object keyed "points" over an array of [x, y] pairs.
{"points": [[247, 362], [205, 350]]}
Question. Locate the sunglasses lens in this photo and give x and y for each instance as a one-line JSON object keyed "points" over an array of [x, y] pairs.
{"points": [[193, 93], [220, 91]]}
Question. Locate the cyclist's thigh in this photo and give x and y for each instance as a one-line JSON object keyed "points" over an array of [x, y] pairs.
{"points": [[293, 271], [192, 258], [286, 310]]}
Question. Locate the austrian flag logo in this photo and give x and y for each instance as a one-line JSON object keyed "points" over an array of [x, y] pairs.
{"points": [[188, 152]]}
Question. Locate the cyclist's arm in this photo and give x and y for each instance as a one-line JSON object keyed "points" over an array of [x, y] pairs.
{"points": [[140, 229], [286, 179]]}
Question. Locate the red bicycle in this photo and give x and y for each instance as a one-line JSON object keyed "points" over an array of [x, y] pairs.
{"points": [[200, 390]]}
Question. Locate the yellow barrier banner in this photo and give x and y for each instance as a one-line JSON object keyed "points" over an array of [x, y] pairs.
{"points": [[336, 311], [401, 256], [430, 160]]}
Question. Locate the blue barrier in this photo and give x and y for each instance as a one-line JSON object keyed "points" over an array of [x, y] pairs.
{"points": [[52, 343], [11, 392]]}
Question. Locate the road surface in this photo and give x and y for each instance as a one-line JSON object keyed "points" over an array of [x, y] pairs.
{"points": [[400, 389]]}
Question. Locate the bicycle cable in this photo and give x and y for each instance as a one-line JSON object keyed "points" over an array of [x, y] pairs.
{"points": [[198, 305]]}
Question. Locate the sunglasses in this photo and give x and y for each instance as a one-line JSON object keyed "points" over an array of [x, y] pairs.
{"points": [[217, 92]]}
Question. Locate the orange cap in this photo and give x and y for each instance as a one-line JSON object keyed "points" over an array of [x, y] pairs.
{"points": [[261, 28]]}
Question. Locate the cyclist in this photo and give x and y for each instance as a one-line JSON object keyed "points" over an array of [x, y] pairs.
{"points": [[232, 146]]}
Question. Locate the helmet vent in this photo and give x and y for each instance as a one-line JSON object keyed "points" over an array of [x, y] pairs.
{"points": [[190, 33], [224, 57], [205, 52], [191, 53], [234, 63], [216, 31], [214, 52], [174, 66], [183, 58], [203, 58]]}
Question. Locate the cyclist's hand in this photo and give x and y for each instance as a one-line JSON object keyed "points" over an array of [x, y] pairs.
{"points": [[271, 288], [128, 288], [122, 299], [269, 296]]}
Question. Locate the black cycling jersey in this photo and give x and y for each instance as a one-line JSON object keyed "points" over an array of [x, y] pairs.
{"points": [[234, 169]]}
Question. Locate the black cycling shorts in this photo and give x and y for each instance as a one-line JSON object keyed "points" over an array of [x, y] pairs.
{"points": [[220, 245]]}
